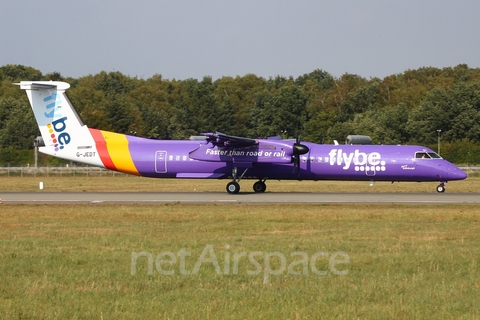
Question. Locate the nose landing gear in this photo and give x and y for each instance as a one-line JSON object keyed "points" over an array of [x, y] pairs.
{"points": [[441, 188]]}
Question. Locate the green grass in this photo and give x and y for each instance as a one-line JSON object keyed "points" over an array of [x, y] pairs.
{"points": [[74, 262]]}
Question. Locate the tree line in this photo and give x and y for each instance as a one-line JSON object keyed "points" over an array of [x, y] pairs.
{"points": [[415, 107]]}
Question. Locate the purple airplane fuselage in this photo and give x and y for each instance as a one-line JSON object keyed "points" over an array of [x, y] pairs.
{"points": [[221, 156], [271, 159]]}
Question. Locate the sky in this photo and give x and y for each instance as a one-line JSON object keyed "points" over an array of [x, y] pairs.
{"points": [[191, 39]]}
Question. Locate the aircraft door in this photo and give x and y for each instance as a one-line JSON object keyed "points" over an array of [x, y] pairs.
{"points": [[161, 161]]}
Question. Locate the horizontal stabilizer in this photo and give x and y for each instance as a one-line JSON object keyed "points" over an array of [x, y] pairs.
{"points": [[38, 85]]}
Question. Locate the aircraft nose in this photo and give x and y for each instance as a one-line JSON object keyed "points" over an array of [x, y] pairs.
{"points": [[455, 173]]}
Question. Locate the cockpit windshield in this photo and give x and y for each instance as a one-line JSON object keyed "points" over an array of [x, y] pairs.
{"points": [[434, 155], [427, 155]]}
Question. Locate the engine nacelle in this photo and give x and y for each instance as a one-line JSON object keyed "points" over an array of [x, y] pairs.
{"points": [[358, 139]]}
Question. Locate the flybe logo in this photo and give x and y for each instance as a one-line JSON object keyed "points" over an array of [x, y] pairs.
{"points": [[57, 129], [360, 160]]}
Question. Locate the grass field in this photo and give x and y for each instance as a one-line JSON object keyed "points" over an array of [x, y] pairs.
{"points": [[91, 261]]}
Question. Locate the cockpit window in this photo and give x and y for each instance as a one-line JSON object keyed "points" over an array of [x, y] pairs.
{"points": [[434, 155], [422, 155], [427, 155]]}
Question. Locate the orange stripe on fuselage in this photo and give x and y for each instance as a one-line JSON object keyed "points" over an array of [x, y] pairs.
{"points": [[115, 154]]}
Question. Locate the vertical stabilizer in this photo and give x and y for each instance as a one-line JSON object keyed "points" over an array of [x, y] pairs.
{"points": [[63, 131]]}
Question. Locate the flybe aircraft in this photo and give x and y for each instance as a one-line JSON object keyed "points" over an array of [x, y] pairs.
{"points": [[221, 156]]}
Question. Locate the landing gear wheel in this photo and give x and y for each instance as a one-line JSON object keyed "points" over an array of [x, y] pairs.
{"points": [[259, 187], [233, 187], [441, 188]]}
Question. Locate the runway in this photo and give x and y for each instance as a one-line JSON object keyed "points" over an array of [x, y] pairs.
{"points": [[241, 198]]}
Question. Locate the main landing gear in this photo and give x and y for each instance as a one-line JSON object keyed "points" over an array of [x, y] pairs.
{"points": [[441, 188], [233, 187], [259, 186]]}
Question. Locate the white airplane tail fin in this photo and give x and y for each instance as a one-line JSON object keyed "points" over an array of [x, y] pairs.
{"points": [[63, 131]]}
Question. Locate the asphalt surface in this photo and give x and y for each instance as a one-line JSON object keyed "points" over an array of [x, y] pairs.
{"points": [[225, 198]]}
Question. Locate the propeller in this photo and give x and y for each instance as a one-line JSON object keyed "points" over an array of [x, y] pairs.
{"points": [[298, 149]]}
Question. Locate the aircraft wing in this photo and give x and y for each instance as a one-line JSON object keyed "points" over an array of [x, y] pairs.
{"points": [[219, 139], [220, 147]]}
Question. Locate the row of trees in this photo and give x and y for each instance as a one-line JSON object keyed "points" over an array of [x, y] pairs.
{"points": [[400, 109]]}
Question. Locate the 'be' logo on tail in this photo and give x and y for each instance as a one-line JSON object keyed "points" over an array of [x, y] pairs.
{"points": [[57, 128], [59, 137]]}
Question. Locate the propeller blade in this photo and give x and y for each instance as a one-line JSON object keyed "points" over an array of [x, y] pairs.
{"points": [[298, 149], [297, 159]]}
